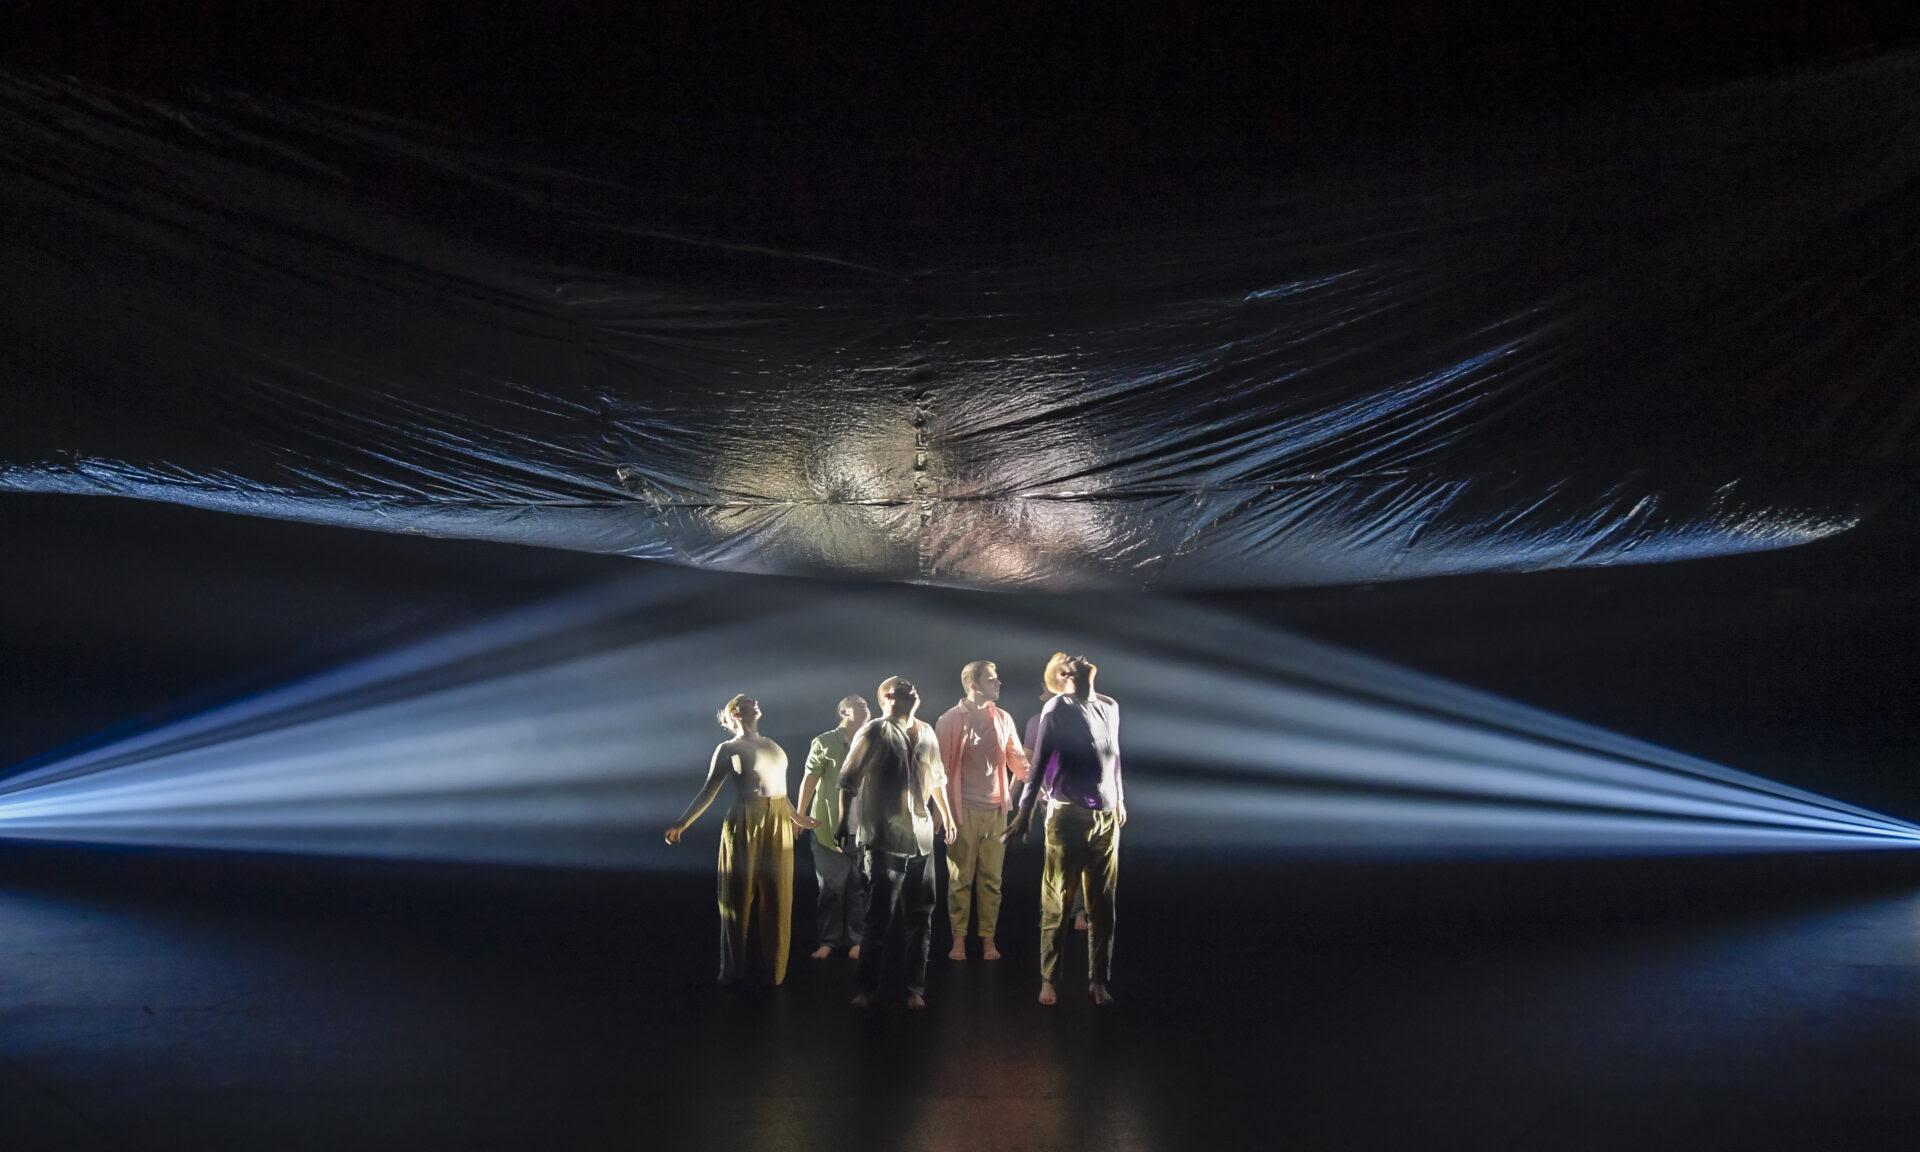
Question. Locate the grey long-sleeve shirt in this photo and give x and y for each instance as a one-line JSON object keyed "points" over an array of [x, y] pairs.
{"points": [[894, 772]]}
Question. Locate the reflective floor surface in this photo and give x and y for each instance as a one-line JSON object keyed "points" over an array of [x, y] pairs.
{"points": [[151, 1001]]}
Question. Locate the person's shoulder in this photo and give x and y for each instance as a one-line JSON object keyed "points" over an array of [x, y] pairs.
{"points": [[1107, 700], [829, 738], [955, 714]]}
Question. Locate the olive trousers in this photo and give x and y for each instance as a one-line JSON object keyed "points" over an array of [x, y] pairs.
{"points": [[756, 890], [975, 861], [1083, 855]]}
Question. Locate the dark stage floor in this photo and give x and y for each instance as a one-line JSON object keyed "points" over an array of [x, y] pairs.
{"points": [[154, 1001]]}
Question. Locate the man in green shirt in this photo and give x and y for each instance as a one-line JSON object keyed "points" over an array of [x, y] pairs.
{"points": [[842, 906]]}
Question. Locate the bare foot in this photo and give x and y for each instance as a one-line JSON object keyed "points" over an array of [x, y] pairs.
{"points": [[1080, 922], [915, 1001], [821, 953], [959, 949], [862, 1000], [1046, 992], [853, 953], [989, 952], [1101, 996]]}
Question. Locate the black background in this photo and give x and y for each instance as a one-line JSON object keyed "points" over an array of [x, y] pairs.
{"points": [[1798, 664]]}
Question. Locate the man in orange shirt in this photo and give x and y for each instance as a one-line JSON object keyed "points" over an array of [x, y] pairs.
{"points": [[982, 753]]}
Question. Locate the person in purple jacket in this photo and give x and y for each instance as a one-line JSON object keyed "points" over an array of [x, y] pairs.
{"points": [[1053, 680], [1076, 759]]}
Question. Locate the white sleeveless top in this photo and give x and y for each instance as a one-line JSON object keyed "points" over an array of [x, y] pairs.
{"points": [[759, 769]]}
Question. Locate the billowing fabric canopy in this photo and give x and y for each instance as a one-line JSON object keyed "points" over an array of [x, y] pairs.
{"points": [[1680, 327]]}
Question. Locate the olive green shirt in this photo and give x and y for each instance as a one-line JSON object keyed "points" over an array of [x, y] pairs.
{"points": [[824, 757]]}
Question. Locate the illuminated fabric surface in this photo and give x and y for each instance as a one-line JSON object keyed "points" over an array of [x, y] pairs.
{"points": [[1675, 327]]}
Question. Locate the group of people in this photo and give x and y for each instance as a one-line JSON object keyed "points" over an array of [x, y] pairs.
{"points": [[876, 793]]}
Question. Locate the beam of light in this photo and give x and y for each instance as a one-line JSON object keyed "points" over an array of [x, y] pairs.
{"points": [[572, 732]]}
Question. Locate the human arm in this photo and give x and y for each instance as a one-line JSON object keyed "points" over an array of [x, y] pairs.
{"points": [[716, 776], [936, 771], [1041, 732], [1119, 788], [820, 760], [803, 808], [950, 829], [950, 735], [1013, 754], [852, 771]]}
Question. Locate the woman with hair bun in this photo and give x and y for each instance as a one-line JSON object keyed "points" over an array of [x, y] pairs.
{"points": [[756, 848]]}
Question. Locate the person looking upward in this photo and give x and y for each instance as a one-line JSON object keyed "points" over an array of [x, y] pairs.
{"points": [[1079, 746], [1053, 681], [756, 847], [893, 778]]}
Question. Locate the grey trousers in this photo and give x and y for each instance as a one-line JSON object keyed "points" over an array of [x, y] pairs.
{"points": [[902, 886], [842, 910]]}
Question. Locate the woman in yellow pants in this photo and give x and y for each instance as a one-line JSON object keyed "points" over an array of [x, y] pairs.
{"points": [[756, 848]]}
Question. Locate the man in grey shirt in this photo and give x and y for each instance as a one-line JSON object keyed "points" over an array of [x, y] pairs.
{"points": [[894, 769]]}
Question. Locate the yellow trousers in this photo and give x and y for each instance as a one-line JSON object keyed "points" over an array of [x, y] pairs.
{"points": [[1083, 854], [976, 857], [756, 890]]}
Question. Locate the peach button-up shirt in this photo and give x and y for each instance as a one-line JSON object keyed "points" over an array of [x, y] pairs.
{"points": [[980, 749]]}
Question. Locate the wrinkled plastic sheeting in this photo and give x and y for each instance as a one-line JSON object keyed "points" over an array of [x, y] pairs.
{"points": [[1680, 328]]}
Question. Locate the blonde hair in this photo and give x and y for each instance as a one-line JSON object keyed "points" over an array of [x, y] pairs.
{"points": [[970, 675], [1055, 678], [729, 716]]}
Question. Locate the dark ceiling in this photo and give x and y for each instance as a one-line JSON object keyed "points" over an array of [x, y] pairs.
{"points": [[1798, 664]]}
